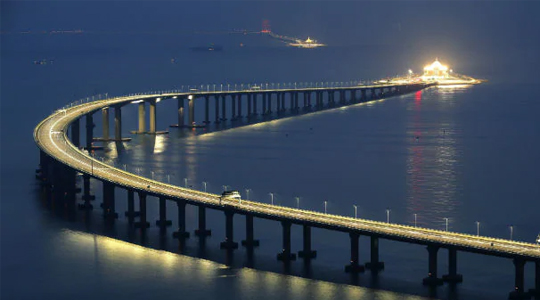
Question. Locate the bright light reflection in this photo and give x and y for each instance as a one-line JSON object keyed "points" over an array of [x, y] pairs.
{"points": [[160, 143]]}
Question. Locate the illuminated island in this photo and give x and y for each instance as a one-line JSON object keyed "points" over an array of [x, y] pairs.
{"points": [[437, 73]]}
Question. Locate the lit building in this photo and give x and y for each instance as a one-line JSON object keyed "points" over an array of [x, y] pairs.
{"points": [[435, 71]]}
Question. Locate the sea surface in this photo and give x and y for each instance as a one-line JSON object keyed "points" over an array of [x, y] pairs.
{"points": [[469, 155]]}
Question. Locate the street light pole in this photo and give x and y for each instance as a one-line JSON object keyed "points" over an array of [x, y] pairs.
{"points": [[204, 184], [325, 205], [297, 202], [247, 194], [477, 228], [355, 211], [185, 183], [446, 220], [387, 215], [272, 198], [511, 232], [415, 220]]}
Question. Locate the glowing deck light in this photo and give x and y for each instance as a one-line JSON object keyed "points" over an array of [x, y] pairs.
{"points": [[137, 101]]}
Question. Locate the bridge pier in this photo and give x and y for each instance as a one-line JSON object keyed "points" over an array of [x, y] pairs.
{"points": [[152, 125], [342, 97], [279, 109], [269, 103], [109, 201], [306, 252], [142, 117], [229, 242], [519, 290], [191, 111], [452, 276], [432, 278], [264, 111], [374, 264], [354, 267], [249, 106], [162, 223], [142, 212], [118, 123], [86, 197], [202, 231], [105, 116], [250, 241], [286, 254], [181, 233], [206, 109], [283, 101], [131, 213], [239, 114], [223, 108], [89, 131], [363, 97], [255, 104], [75, 132], [296, 101], [233, 107], [535, 292], [216, 102]]}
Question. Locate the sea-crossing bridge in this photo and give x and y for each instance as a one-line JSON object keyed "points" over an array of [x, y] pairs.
{"points": [[61, 157]]}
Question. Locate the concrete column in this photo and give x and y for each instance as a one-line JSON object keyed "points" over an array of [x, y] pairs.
{"points": [[142, 117], [342, 97], [255, 104], [162, 223], [202, 231], [250, 241], [229, 242], [239, 106], [131, 213], [75, 132], [286, 254], [519, 290], [249, 106], [269, 111], [109, 201], [117, 123], [89, 131], [143, 224], [292, 103], [354, 267], [223, 108], [105, 115], [452, 275], [86, 194], [296, 101], [373, 94], [363, 97], [216, 99], [307, 253], [264, 110], [309, 100], [374, 264], [181, 122], [233, 107], [181, 233], [432, 278], [278, 96], [191, 113], [206, 109], [152, 125], [535, 292]]}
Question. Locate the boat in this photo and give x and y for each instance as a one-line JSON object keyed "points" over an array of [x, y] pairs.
{"points": [[211, 47], [308, 43]]}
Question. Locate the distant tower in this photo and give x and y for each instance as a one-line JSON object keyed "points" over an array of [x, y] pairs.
{"points": [[265, 26]]}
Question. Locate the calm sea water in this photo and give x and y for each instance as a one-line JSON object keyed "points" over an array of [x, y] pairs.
{"points": [[466, 154]]}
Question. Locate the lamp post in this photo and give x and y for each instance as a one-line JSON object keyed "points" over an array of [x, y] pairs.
{"points": [[204, 185], [272, 198], [355, 211], [297, 202], [152, 175], [477, 228], [511, 232], [325, 206], [185, 183], [415, 220], [446, 220], [168, 178], [247, 194], [225, 187], [388, 215]]}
